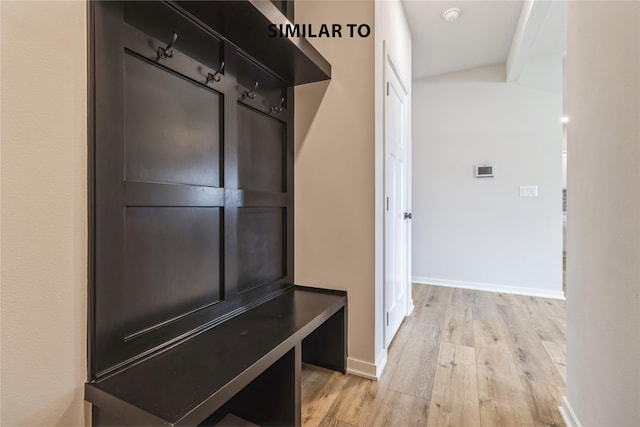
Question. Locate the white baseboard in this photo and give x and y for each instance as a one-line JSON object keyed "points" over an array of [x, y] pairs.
{"points": [[568, 416], [490, 287], [366, 369], [411, 307], [381, 362]]}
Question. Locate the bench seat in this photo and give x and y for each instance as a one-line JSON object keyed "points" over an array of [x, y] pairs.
{"points": [[191, 382]]}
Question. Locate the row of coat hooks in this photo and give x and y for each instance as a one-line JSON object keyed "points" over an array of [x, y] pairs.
{"points": [[251, 94], [167, 53]]}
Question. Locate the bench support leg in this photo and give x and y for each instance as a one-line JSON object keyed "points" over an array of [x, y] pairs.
{"points": [[326, 346]]}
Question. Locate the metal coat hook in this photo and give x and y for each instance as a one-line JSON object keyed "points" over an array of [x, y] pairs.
{"points": [[167, 52], [250, 94], [278, 108], [216, 76]]}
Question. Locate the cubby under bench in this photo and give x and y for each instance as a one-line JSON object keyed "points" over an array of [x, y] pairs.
{"points": [[248, 366]]}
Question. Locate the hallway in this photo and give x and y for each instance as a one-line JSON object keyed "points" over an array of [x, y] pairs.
{"points": [[463, 358]]}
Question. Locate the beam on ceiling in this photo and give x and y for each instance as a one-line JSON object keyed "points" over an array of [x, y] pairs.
{"points": [[532, 18]]}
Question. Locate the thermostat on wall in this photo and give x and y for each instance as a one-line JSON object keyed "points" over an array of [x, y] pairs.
{"points": [[484, 171]]}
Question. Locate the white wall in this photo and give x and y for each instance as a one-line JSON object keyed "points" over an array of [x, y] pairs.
{"points": [[392, 32], [479, 233], [334, 172], [44, 213], [603, 228]]}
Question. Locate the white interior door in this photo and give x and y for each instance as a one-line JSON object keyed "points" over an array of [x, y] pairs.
{"points": [[396, 284]]}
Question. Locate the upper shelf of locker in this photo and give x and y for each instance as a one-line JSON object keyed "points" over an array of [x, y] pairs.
{"points": [[248, 25]]}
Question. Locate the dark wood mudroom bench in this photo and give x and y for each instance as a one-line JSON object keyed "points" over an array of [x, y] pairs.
{"points": [[193, 314], [249, 366]]}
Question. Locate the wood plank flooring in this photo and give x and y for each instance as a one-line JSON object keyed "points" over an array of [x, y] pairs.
{"points": [[462, 359]]}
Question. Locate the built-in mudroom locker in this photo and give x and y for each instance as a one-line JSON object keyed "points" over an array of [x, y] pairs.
{"points": [[193, 315]]}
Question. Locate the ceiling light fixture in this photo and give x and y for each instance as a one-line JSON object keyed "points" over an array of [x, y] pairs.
{"points": [[565, 119], [452, 14]]}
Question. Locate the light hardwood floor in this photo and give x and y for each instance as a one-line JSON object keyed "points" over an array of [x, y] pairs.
{"points": [[462, 359]]}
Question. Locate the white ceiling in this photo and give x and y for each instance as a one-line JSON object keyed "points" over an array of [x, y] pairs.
{"points": [[481, 36]]}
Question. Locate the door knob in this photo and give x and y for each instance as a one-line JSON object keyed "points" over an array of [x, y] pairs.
{"points": [[408, 215]]}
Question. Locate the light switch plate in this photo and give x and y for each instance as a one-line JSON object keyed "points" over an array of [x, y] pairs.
{"points": [[528, 191]]}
